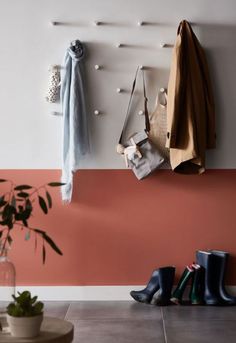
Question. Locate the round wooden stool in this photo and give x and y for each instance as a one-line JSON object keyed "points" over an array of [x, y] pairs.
{"points": [[53, 330]]}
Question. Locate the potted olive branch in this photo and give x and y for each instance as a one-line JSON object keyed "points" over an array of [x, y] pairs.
{"points": [[16, 208]]}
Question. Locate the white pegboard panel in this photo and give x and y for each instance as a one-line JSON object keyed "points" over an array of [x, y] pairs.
{"points": [[30, 137]]}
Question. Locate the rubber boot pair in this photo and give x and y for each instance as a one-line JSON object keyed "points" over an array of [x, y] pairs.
{"points": [[158, 289], [194, 273], [214, 263]]}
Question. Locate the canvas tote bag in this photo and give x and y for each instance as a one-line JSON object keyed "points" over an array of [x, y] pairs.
{"points": [[140, 153], [158, 124]]}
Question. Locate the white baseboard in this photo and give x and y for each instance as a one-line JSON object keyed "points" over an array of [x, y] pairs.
{"points": [[87, 293], [81, 293]]}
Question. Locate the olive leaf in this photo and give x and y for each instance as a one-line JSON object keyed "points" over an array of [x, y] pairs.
{"points": [[21, 187], [49, 199], [55, 184], [43, 204], [52, 244], [35, 243], [13, 201], [8, 212], [44, 254], [9, 239], [24, 221], [2, 201]]}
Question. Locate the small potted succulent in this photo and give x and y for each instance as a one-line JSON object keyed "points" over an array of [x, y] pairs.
{"points": [[25, 315]]}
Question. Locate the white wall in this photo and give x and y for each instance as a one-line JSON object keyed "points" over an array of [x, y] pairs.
{"points": [[30, 137]]}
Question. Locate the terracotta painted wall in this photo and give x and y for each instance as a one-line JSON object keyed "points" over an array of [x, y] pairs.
{"points": [[118, 229]]}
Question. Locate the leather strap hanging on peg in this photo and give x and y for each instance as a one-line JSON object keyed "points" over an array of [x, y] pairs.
{"points": [[120, 148]]}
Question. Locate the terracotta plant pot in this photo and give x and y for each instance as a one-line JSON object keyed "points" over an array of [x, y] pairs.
{"points": [[25, 327]]}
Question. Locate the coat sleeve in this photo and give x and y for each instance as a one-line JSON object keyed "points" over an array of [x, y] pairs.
{"points": [[210, 109], [174, 95]]}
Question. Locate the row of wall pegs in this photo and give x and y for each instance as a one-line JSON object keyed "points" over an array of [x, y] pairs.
{"points": [[99, 67], [161, 45], [117, 45], [139, 23], [96, 112]]}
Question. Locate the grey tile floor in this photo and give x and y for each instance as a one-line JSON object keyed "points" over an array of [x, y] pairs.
{"points": [[128, 322]]}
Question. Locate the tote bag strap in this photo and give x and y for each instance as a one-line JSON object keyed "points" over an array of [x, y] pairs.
{"points": [[147, 122]]}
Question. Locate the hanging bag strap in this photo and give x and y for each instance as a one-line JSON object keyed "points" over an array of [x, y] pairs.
{"points": [[147, 122]]}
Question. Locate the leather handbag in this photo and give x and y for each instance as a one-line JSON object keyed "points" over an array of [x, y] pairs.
{"points": [[140, 153]]}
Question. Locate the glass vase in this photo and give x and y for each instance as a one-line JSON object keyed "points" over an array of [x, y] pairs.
{"points": [[7, 285]]}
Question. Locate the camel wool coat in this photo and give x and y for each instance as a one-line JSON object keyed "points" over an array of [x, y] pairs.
{"points": [[190, 106]]}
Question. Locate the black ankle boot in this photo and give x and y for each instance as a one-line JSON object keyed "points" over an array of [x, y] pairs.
{"points": [[166, 281], [221, 258], [158, 276], [208, 261]]}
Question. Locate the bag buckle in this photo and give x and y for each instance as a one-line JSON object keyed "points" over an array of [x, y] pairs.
{"points": [[131, 152]]}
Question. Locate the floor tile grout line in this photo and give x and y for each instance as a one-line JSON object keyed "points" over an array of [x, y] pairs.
{"points": [[104, 319], [67, 310], [163, 325]]}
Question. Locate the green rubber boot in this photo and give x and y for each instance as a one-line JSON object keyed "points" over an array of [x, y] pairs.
{"points": [[179, 291], [197, 286]]}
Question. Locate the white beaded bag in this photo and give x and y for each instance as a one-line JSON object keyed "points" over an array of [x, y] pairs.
{"points": [[52, 94]]}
